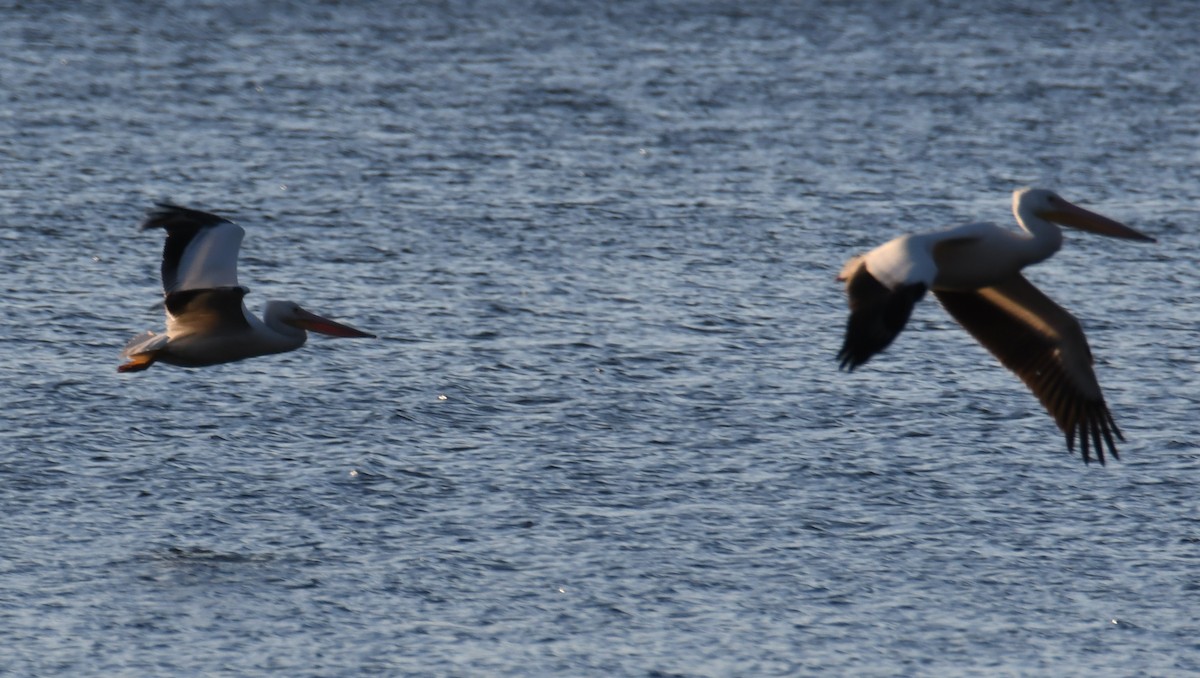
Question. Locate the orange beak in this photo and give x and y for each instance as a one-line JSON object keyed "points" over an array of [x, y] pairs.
{"points": [[315, 323], [1085, 220]]}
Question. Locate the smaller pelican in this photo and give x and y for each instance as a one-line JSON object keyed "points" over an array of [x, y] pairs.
{"points": [[975, 271], [207, 323]]}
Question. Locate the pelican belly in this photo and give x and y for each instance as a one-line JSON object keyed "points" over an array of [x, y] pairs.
{"points": [[202, 350]]}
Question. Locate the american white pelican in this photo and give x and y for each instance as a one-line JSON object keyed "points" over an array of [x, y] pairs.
{"points": [[975, 272], [207, 323]]}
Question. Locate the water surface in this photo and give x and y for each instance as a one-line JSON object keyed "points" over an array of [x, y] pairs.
{"points": [[602, 432]]}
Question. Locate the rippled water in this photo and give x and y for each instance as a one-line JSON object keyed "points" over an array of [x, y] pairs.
{"points": [[602, 432]]}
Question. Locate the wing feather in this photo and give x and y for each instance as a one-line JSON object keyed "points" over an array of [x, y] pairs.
{"points": [[1044, 345]]}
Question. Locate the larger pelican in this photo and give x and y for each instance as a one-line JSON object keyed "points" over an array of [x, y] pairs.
{"points": [[975, 272], [207, 323]]}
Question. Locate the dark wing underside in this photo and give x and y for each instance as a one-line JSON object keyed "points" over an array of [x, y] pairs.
{"points": [[217, 310], [877, 315], [1044, 345]]}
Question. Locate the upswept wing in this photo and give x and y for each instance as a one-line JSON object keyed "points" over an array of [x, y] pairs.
{"points": [[1045, 346], [201, 249]]}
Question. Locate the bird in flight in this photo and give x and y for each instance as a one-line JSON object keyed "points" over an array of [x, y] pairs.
{"points": [[975, 272], [207, 321]]}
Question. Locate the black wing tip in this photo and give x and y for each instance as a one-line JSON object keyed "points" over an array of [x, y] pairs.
{"points": [[877, 316], [1096, 433], [169, 215], [850, 359]]}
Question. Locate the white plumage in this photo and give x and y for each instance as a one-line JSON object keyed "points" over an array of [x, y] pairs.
{"points": [[975, 272], [207, 323]]}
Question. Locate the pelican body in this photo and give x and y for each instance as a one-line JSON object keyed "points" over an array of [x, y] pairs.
{"points": [[975, 272], [207, 323]]}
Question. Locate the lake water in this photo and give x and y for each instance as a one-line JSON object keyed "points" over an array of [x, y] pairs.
{"points": [[602, 432]]}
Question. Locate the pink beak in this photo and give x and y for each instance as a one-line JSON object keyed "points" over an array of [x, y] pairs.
{"points": [[315, 323], [1085, 220]]}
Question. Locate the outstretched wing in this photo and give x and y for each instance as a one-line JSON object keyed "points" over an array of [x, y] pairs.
{"points": [[201, 250], [1045, 346]]}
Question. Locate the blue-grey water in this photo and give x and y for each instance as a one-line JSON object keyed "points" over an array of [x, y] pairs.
{"points": [[602, 432]]}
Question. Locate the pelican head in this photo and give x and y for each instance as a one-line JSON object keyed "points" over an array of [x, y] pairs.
{"points": [[289, 314], [1050, 206]]}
